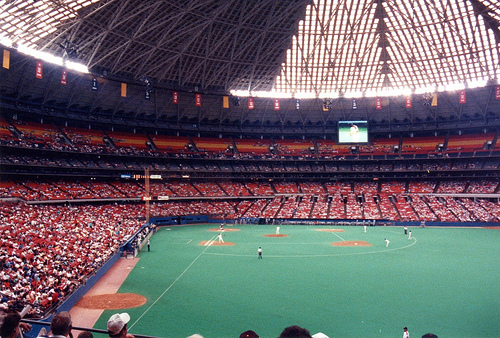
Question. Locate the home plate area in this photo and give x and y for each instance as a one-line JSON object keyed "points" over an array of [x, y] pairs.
{"points": [[352, 243]]}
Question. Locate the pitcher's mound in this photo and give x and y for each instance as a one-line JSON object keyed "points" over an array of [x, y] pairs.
{"points": [[352, 243], [114, 301], [330, 230], [271, 235], [202, 243]]}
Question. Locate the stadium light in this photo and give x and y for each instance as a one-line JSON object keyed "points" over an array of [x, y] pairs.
{"points": [[450, 87], [271, 94], [423, 90], [329, 95], [57, 60], [478, 83], [353, 94], [5, 41]]}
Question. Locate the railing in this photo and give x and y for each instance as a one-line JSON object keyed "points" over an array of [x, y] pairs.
{"points": [[38, 325]]}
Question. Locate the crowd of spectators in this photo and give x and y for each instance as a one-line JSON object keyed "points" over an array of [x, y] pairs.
{"points": [[356, 200], [260, 168], [444, 214], [47, 251], [351, 209], [70, 139], [388, 208], [481, 187], [406, 211], [370, 207]]}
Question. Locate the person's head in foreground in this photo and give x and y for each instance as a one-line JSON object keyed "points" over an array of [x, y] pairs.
{"points": [[61, 324], [249, 334], [85, 334], [295, 332], [117, 325], [10, 325]]}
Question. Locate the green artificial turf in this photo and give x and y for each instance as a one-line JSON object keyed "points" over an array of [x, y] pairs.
{"points": [[444, 281]]}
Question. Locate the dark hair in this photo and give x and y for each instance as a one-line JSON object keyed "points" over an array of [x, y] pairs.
{"points": [[295, 332], [61, 324], [429, 335], [249, 334], [118, 334], [10, 323], [85, 334]]}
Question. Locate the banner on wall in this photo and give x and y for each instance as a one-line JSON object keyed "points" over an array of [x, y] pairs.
{"points": [[434, 102], [6, 59], [251, 104], [198, 100], [378, 103], [408, 101], [461, 96], [39, 69], [123, 92], [175, 97], [64, 77], [276, 104]]}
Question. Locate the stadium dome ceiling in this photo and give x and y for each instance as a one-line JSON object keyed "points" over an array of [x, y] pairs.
{"points": [[318, 47]]}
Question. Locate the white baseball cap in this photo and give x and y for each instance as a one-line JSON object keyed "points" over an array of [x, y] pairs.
{"points": [[117, 322]]}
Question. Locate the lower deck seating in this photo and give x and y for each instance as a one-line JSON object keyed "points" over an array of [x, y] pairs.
{"points": [[47, 251]]}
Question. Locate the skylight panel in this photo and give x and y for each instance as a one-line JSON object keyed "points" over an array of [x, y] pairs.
{"points": [[346, 54], [57, 17], [15, 21], [36, 19]]}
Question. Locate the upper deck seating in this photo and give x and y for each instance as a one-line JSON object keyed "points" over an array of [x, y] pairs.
{"points": [[126, 140], [327, 148], [421, 145], [253, 147], [171, 144], [212, 146], [461, 143], [86, 140], [295, 147]]}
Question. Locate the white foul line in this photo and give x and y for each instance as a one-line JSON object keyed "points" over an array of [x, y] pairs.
{"points": [[211, 241], [338, 236], [170, 286]]}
